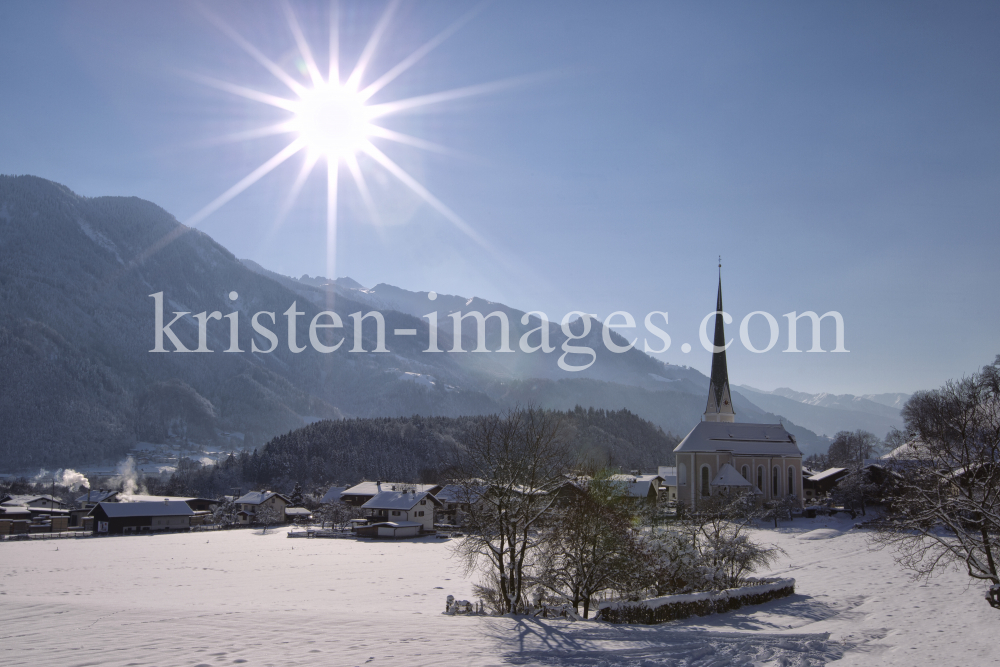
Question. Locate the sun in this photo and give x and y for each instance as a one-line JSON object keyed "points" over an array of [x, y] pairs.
{"points": [[332, 120]]}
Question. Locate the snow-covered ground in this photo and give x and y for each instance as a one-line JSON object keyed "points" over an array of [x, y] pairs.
{"points": [[239, 597]]}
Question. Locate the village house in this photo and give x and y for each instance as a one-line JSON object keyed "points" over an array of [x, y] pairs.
{"points": [[332, 495], [196, 504], [409, 512], [456, 502], [640, 487], [141, 517], [249, 504], [822, 483], [298, 514], [668, 487], [359, 494], [89, 500], [33, 501], [765, 456]]}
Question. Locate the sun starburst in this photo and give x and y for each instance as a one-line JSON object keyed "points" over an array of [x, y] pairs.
{"points": [[333, 121]]}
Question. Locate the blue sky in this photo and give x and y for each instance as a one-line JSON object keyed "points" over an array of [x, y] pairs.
{"points": [[839, 156]]}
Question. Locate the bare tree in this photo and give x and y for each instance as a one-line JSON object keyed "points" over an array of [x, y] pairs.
{"points": [[267, 515], [509, 473], [338, 514], [944, 500], [780, 509], [853, 447], [856, 491], [589, 546]]}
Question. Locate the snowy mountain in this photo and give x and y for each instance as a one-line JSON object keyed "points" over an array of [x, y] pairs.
{"points": [[829, 413], [77, 327]]}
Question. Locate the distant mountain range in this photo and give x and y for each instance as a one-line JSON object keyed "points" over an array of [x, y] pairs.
{"points": [[81, 385], [829, 413]]}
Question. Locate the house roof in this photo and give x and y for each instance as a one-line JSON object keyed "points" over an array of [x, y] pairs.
{"points": [[97, 496], [829, 472], [728, 476], [455, 493], [258, 497], [28, 499], [371, 488], [669, 475], [396, 524], [638, 486], [10, 511], [297, 511], [138, 498], [168, 508], [740, 439], [333, 494], [398, 500], [911, 451]]}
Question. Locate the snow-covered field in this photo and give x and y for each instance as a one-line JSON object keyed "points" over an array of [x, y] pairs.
{"points": [[239, 597]]}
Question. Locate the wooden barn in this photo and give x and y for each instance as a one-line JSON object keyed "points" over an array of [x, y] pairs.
{"points": [[142, 517]]}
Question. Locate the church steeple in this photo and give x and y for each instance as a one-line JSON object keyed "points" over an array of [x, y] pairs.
{"points": [[720, 402]]}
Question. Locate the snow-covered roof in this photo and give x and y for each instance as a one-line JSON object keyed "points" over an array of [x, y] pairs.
{"points": [[740, 439], [910, 451], [297, 511], [398, 500], [333, 494], [454, 493], [639, 485], [29, 499], [371, 488], [14, 510], [728, 476], [97, 496], [829, 472], [399, 524], [140, 498], [258, 497], [168, 508], [669, 475]]}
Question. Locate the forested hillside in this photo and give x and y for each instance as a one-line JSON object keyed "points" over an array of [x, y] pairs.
{"points": [[417, 449]]}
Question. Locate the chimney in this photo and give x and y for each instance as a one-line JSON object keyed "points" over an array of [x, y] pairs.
{"points": [[166, 501], [378, 486]]}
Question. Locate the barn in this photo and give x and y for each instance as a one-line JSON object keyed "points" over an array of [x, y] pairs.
{"points": [[112, 518]]}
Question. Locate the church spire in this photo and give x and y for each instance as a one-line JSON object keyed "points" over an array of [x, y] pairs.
{"points": [[720, 402]]}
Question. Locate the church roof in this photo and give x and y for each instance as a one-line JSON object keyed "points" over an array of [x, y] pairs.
{"points": [[740, 439]]}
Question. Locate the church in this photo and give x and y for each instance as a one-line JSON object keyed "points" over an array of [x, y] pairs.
{"points": [[721, 454]]}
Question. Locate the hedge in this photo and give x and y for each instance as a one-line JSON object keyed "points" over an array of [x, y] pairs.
{"points": [[675, 607]]}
